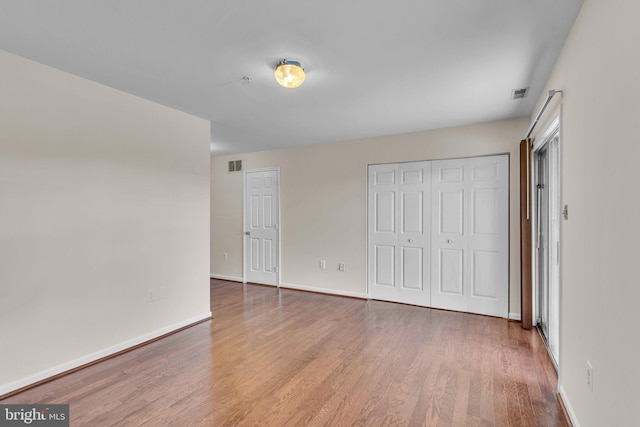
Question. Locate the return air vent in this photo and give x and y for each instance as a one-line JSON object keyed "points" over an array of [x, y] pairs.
{"points": [[519, 93], [235, 165]]}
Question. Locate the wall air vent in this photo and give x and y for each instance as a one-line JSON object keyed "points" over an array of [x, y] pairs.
{"points": [[519, 93], [235, 165]]}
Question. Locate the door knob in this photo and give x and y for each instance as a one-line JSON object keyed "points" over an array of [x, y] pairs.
{"points": [[248, 233], [410, 240], [449, 241]]}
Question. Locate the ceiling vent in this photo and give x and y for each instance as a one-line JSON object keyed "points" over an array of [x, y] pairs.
{"points": [[235, 166], [519, 93]]}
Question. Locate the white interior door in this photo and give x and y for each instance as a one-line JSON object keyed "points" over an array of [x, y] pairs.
{"points": [[399, 232], [470, 235], [261, 241]]}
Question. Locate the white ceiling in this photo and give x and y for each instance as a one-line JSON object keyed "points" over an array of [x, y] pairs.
{"points": [[374, 67]]}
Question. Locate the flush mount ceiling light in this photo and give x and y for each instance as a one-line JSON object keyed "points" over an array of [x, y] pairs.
{"points": [[289, 73]]}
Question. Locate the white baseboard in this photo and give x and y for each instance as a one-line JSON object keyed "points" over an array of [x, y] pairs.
{"points": [[323, 290], [515, 316], [568, 407], [48, 373], [230, 278]]}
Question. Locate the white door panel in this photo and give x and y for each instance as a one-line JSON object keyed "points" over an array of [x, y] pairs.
{"points": [[451, 271], [261, 227], [448, 257], [399, 230], [489, 236], [470, 239], [255, 254], [451, 212], [484, 269], [412, 268], [385, 212], [267, 255], [412, 212], [384, 266]]}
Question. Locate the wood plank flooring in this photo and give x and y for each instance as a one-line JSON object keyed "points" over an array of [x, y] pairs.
{"points": [[288, 358]]}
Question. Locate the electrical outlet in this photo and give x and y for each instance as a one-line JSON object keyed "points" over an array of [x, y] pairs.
{"points": [[341, 266], [323, 264], [589, 376], [226, 256]]}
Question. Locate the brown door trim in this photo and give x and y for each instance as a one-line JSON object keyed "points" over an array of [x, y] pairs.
{"points": [[525, 234]]}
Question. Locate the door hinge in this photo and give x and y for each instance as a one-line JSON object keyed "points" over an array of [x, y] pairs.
{"points": [[275, 269]]}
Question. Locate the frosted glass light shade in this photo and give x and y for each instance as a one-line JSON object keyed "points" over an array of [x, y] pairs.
{"points": [[289, 74]]}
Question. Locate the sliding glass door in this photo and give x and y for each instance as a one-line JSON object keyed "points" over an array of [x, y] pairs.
{"points": [[546, 235]]}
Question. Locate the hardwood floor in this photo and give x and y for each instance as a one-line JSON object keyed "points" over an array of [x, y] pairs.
{"points": [[290, 358]]}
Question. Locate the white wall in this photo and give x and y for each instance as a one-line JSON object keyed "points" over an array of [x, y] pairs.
{"points": [[323, 201], [103, 196], [599, 71]]}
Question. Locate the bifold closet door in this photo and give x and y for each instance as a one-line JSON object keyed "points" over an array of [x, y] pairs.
{"points": [[470, 235], [399, 232]]}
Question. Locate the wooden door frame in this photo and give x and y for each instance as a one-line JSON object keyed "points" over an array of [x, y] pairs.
{"points": [[526, 301]]}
